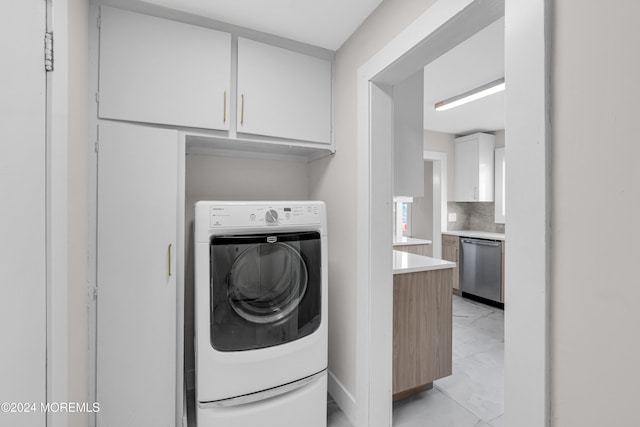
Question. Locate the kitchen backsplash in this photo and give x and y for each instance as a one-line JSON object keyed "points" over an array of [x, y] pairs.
{"points": [[477, 216]]}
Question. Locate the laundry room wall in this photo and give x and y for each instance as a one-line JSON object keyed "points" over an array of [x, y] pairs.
{"points": [[334, 180], [230, 178]]}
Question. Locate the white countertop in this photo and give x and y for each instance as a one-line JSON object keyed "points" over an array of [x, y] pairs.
{"points": [[404, 262], [476, 234], [408, 241]]}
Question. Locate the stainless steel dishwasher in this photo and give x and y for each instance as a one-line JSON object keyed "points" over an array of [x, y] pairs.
{"points": [[480, 268]]}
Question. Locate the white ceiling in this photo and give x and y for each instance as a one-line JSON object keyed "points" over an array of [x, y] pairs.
{"points": [[476, 61], [325, 23]]}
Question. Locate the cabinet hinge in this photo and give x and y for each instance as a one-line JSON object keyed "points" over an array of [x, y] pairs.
{"points": [[99, 21], [93, 295], [48, 51], [98, 97], [97, 147]]}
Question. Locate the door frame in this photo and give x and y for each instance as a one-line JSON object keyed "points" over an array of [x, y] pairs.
{"points": [[439, 161], [442, 26], [57, 116]]}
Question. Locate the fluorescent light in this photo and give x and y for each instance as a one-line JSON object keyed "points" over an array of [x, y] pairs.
{"points": [[477, 93]]}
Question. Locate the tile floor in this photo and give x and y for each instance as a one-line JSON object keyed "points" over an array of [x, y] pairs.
{"points": [[474, 395]]}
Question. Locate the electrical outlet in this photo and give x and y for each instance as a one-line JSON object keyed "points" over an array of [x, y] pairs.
{"points": [[452, 217]]}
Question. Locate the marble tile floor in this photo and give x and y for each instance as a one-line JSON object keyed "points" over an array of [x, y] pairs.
{"points": [[474, 395]]}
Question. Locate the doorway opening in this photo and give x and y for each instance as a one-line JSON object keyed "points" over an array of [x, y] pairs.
{"points": [[442, 27]]}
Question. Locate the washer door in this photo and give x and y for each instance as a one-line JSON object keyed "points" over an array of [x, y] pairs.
{"points": [[267, 282], [265, 289]]}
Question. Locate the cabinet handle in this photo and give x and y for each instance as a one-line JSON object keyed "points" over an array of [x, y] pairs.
{"points": [[224, 119], [242, 110], [169, 258]]}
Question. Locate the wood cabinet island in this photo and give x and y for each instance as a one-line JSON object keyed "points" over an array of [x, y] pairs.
{"points": [[422, 322]]}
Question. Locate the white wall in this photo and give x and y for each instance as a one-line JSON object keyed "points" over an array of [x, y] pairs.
{"points": [[500, 141], [334, 179], [595, 203], [78, 205], [422, 209], [443, 142], [226, 178]]}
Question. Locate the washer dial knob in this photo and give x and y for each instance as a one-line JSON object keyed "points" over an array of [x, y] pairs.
{"points": [[271, 217]]}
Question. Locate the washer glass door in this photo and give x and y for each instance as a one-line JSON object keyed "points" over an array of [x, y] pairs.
{"points": [[265, 289]]}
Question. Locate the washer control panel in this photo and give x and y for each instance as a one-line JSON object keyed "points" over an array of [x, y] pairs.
{"points": [[264, 215]]}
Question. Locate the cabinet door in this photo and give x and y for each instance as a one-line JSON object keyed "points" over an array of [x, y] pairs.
{"points": [[474, 168], [136, 303], [466, 171], [282, 93], [450, 252], [422, 330], [23, 260], [159, 71]]}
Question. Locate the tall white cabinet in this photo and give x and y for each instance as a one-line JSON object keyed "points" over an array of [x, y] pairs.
{"points": [[136, 275], [282, 93], [155, 70], [474, 160]]}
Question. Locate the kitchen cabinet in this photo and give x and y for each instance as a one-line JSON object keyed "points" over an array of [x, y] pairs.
{"points": [[474, 160], [155, 70], [136, 295], [451, 252], [502, 273], [408, 137], [422, 330], [423, 250], [282, 93]]}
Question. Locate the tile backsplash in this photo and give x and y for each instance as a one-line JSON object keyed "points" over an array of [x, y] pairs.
{"points": [[477, 216]]}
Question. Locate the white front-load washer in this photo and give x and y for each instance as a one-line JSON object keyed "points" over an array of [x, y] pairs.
{"points": [[260, 313]]}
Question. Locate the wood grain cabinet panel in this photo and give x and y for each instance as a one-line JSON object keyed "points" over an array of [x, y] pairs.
{"points": [[502, 274], [451, 252], [414, 249], [422, 328]]}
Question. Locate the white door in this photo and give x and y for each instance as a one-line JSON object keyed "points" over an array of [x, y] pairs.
{"points": [[282, 93], [136, 303], [22, 210]]}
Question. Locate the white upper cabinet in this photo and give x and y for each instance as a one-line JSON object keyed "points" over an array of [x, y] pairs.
{"points": [[282, 93], [160, 71], [474, 168]]}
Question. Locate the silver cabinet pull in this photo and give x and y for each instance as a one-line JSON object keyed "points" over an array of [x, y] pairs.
{"points": [[169, 258]]}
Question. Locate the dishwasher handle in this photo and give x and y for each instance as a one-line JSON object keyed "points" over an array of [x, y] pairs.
{"points": [[491, 243]]}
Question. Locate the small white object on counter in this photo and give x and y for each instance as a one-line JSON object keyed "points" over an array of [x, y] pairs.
{"points": [[409, 241], [405, 262], [476, 234]]}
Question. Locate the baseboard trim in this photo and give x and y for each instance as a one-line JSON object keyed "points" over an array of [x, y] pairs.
{"points": [[343, 398]]}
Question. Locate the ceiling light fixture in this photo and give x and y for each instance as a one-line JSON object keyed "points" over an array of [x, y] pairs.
{"points": [[474, 94]]}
